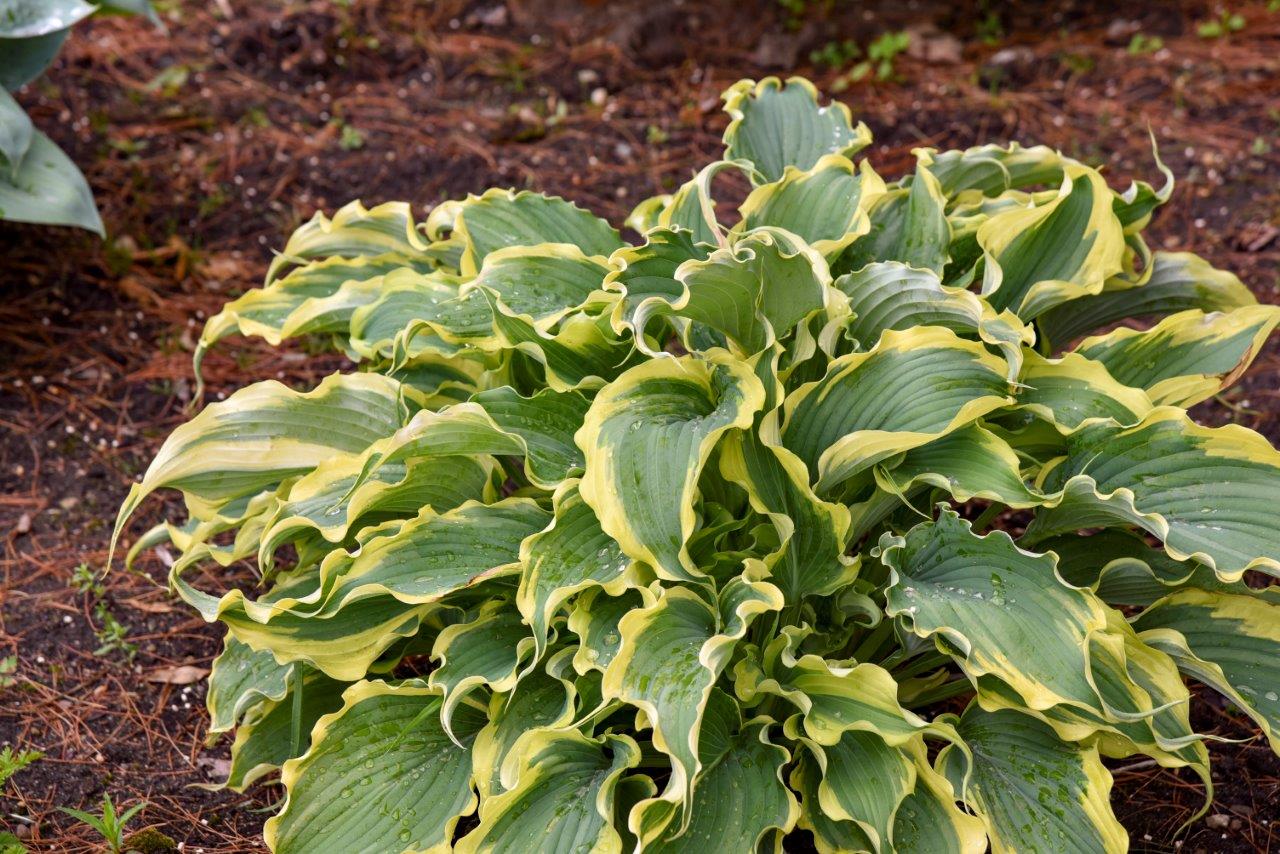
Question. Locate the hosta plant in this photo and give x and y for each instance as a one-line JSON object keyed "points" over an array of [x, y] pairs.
{"points": [[38, 182], [835, 514]]}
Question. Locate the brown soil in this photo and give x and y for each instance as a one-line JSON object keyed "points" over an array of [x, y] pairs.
{"points": [[198, 180]]}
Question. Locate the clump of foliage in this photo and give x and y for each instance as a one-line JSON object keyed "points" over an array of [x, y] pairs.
{"points": [[683, 544], [109, 825], [38, 182], [1226, 23]]}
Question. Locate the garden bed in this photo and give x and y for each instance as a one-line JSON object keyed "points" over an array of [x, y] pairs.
{"points": [[207, 145]]}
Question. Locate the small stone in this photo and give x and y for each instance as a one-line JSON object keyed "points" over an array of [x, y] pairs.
{"points": [[1218, 821]]}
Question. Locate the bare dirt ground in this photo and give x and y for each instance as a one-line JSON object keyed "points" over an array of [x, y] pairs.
{"points": [[205, 146]]}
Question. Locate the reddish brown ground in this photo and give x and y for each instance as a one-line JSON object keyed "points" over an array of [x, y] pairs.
{"points": [[198, 181]]}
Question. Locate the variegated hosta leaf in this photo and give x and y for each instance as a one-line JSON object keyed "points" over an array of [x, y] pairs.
{"points": [[775, 126], [595, 619], [1207, 493], [316, 298], [671, 654], [825, 205], [692, 207], [354, 232], [1069, 390], [832, 699], [1178, 281], [893, 295], [486, 652], [540, 700], [265, 433], [1040, 257], [241, 678], [646, 437], [565, 785], [970, 463], [641, 272], [361, 603], [499, 219], [1187, 357], [271, 735], [1124, 570], [739, 799], [331, 502], [753, 291], [950, 583], [572, 554], [813, 532], [581, 354], [1019, 631], [1033, 791], [992, 169], [381, 774], [1229, 641], [913, 387], [401, 301], [497, 421], [907, 225]]}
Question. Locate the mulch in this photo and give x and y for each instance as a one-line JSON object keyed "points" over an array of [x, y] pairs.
{"points": [[207, 143]]}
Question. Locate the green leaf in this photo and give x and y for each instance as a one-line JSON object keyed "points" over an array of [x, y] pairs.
{"points": [[1034, 792], [27, 58], [241, 678], [24, 19], [913, 387], [970, 463], [500, 219], [594, 619], [671, 654], [1205, 492], [353, 232], [646, 437], [571, 555], [864, 779], [332, 502], [380, 774], [540, 700], [264, 741], [825, 205], [775, 126], [15, 132], [47, 188], [1001, 611], [1073, 389], [1187, 357], [317, 297], [992, 169], [1043, 256], [265, 433], [739, 800], [563, 796], [813, 532], [753, 291], [907, 225], [893, 295], [1178, 281], [485, 652], [580, 354], [360, 603], [640, 272], [1230, 642], [1124, 570]]}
